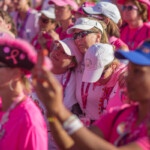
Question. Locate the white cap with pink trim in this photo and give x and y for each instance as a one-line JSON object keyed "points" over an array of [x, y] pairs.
{"points": [[95, 59]]}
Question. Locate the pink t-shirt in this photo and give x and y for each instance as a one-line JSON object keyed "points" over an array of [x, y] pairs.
{"points": [[135, 37], [117, 42], [109, 125], [25, 129], [64, 35]]}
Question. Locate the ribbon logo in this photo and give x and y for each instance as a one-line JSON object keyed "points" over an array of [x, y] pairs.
{"points": [[14, 53]]}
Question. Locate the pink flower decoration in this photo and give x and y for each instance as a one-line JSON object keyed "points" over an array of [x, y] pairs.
{"points": [[22, 56], [6, 50]]}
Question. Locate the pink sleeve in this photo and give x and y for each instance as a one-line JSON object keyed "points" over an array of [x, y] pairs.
{"points": [[105, 123], [143, 143], [118, 43], [31, 138]]}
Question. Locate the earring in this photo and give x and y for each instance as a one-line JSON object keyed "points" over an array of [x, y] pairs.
{"points": [[10, 86]]}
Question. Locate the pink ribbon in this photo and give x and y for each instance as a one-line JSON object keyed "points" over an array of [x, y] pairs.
{"points": [[14, 53]]}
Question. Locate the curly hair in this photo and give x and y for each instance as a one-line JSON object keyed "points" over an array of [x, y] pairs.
{"points": [[8, 19], [142, 8]]}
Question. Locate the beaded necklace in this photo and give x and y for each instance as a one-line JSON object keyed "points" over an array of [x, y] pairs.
{"points": [[103, 101]]}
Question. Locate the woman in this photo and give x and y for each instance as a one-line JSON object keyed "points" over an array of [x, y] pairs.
{"points": [[26, 19], [63, 15], [136, 29], [47, 23], [64, 57], [110, 14], [7, 22], [87, 32], [126, 128], [17, 58]]}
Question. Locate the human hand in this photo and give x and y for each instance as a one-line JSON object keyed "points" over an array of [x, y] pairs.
{"points": [[48, 89], [54, 35]]}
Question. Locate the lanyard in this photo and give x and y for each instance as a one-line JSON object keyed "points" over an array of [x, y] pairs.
{"points": [[132, 42], [104, 99], [84, 95], [24, 23], [66, 82]]}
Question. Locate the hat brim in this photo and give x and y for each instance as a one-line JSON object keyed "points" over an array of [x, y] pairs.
{"points": [[133, 56], [90, 11], [92, 76], [66, 48], [58, 3], [47, 14], [82, 27]]}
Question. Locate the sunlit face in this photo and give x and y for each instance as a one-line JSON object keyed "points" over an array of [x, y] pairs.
{"points": [[6, 75], [45, 24], [83, 43], [62, 12], [20, 4], [59, 58], [130, 15], [3, 23], [138, 82]]}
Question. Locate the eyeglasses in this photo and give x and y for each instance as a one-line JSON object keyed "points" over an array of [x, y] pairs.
{"points": [[82, 34], [129, 8], [44, 20]]}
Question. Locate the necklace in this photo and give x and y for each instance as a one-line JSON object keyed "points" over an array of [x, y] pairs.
{"points": [[103, 101], [21, 28], [132, 42], [64, 85], [5, 116]]}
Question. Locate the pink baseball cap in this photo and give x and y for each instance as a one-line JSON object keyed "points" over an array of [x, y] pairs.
{"points": [[80, 10], [72, 3], [96, 58]]}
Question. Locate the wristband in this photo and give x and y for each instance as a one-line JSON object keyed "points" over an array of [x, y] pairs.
{"points": [[72, 124]]}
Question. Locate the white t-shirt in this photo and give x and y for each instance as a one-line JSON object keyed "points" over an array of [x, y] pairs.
{"points": [[69, 92], [30, 28], [92, 110]]}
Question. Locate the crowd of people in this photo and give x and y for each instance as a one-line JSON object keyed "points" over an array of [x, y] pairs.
{"points": [[75, 75]]}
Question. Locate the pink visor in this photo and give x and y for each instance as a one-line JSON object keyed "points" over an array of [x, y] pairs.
{"points": [[72, 3]]}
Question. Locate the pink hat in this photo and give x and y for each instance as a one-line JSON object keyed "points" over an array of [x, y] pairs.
{"points": [[71, 49], [18, 53], [80, 10], [95, 59], [72, 3]]}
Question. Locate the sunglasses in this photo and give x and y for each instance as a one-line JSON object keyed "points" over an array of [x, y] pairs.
{"points": [[44, 20], [129, 8], [82, 34]]}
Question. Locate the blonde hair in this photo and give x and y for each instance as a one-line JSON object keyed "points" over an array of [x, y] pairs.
{"points": [[104, 38], [26, 84]]}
